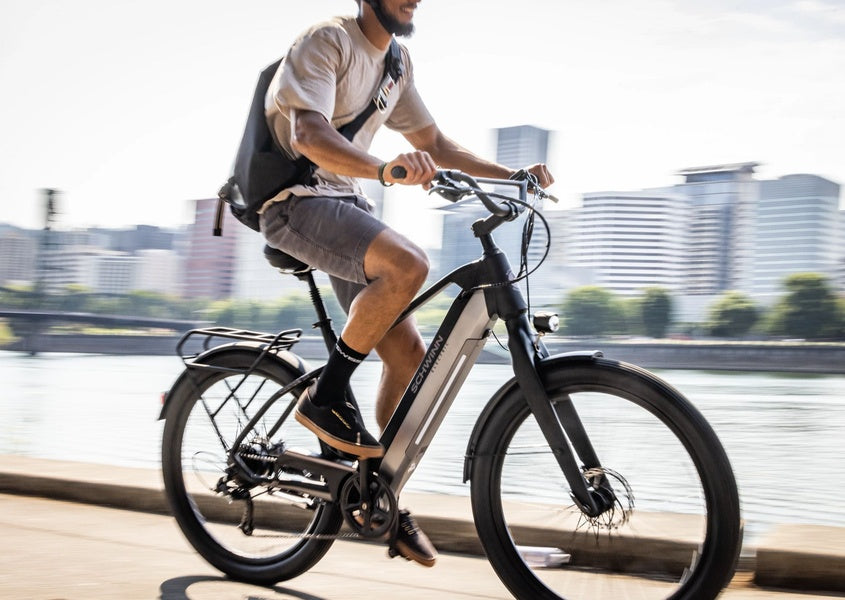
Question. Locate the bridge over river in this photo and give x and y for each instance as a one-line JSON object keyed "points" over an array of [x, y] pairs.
{"points": [[31, 327], [159, 337]]}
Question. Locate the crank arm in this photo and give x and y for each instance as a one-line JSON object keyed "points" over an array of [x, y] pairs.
{"points": [[321, 478]]}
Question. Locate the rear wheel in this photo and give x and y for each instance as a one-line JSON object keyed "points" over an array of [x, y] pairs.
{"points": [[246, 531], [673, 529]]}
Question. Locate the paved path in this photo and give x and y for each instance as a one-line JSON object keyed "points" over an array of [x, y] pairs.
{"points": [[55, 550]]}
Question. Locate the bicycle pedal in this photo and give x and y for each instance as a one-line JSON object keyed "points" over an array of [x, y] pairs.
{"points": [[334, 454]]}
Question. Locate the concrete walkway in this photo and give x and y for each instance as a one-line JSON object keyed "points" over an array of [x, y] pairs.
{"points": [[71, 551], [95, 548]]}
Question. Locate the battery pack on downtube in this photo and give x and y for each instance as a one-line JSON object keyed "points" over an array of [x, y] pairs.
{"points": [[453, 352]]}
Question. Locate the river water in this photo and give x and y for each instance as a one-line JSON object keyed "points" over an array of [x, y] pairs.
{"points": [[784, 434]]}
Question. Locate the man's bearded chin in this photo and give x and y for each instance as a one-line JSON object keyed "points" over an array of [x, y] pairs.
{"points": [[390, 23]]}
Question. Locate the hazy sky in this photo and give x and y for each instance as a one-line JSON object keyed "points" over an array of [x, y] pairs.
{"points": [[131, 108]]}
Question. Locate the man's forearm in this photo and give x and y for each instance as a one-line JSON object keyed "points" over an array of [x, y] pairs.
{"points": [[315, 138], [448, 154], [462, 159]]}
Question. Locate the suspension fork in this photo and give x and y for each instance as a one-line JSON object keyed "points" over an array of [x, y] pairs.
{"points": [[559, 422]]}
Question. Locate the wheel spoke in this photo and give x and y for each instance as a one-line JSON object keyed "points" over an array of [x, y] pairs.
{"points": [[656, 471], [260, 536]]}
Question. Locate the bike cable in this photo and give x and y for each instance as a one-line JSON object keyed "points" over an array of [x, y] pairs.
{"points": [[528, 231]]}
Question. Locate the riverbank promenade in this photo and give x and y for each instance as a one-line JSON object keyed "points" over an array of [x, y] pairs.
{"points": [[79, 531]]}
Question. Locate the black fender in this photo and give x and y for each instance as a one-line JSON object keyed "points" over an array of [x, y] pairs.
{"points": [[285, 359], [511, 386]]}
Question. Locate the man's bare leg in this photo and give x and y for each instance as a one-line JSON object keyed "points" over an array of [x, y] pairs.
{"points": [[401, 351], [396, 269]]}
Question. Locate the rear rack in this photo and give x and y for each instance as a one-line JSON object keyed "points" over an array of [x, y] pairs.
{"points": [[263, 344], [283, 340]]}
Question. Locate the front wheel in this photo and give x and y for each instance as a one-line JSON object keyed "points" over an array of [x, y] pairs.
{"points": [[249, 531], [672, 529]]}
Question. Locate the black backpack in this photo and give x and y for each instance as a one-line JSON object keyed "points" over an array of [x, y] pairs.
{"points": [[262, 169]]}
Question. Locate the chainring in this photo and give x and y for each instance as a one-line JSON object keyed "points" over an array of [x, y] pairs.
{"points": [[373, 519]]}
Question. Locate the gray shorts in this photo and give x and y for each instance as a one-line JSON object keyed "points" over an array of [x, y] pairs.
{"points": [[331, 234]]}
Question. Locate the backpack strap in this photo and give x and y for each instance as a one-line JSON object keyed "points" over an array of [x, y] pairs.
{"points": [[394, 69]]}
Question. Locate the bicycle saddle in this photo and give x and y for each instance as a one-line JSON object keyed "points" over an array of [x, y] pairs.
{"points": [[283, 261]]}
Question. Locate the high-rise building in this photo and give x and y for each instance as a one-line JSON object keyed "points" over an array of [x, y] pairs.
{"points": [[561, 272], [797, 231], [255, 279], [522, 145], [69, 265], [459, 246], [721, 231], [840, 278], [115, 272], [139, 237], [210, 261], [158, 270], [632, 240], [517, 147], [18, 251]]}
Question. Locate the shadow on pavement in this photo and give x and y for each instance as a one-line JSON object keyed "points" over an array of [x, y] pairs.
{"points": [[177, 589]]}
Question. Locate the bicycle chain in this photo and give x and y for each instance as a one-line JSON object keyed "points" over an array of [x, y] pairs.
{"points": [[268, 459], [318, 536]]}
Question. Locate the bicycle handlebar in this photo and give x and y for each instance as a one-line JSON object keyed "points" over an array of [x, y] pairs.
{"points": [[454, 185]]}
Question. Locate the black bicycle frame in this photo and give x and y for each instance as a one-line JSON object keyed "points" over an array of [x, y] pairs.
{"points": [[487, 294]]}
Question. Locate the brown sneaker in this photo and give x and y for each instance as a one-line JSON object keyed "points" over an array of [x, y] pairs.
{"points": [[338, 425], [412, 543]]}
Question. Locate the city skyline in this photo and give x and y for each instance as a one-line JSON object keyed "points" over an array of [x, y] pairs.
{"points": [[722, 229], [132, 111]]}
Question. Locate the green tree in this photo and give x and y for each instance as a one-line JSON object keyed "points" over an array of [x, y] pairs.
{"points": [[74, 298], [7, 336], [592, 310], [17, 296], [632, 317], [732, 315], [431, 315], [656, 309], [809, 310], [294, 311], [221, 312], [143, 303]]}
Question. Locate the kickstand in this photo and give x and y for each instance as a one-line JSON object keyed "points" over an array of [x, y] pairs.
{"points": [[392, 550], [247, 524]]}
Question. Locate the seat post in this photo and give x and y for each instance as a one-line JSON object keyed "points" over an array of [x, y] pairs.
{"points": [[324, 322]]}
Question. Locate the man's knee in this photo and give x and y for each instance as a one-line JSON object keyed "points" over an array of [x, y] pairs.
{"points": [[396, 258], [415, 266]]}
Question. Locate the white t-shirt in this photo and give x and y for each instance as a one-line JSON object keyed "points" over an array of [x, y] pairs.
{"points": [[333, 69]]}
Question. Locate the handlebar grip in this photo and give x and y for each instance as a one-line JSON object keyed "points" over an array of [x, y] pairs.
{"points": [[398, 172]]}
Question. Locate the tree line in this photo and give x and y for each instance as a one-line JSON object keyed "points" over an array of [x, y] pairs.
{"points": [[808, 309], [290, 311]]}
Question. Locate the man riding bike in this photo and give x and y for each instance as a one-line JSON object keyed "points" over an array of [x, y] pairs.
{"points": [[326, 79]]}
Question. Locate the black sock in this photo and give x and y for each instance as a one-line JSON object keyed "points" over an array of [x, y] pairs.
{"points": [[331, 386]]}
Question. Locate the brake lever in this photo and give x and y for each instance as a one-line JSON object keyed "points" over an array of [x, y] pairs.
{"points": [[533, 184], [552, 197], [448, 192]]}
